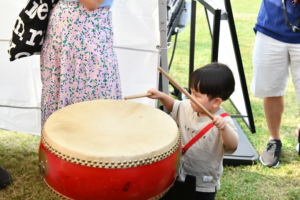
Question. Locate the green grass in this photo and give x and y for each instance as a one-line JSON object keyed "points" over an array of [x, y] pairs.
{"points": [[256, 181], [18, 151], [19, 155]]}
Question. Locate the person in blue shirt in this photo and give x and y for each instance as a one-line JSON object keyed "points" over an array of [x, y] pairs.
{"points": [[276, 54]]}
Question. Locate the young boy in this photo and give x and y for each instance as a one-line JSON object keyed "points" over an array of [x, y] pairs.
{"points": [[210, 85]]}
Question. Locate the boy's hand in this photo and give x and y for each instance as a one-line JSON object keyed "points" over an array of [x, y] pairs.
{"points": [[219, 122], [165, 99], [155, 94]]}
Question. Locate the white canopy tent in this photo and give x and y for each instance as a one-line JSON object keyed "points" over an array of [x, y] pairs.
{"points": [[137, 33], [140, 27]]}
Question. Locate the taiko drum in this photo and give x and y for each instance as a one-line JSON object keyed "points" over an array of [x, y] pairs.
{"points": [[109, 149]]}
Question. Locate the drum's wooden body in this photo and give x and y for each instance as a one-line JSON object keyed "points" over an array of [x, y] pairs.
{"points": [[110, 150]]}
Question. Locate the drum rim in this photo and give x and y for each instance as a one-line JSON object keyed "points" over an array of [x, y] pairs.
{"points": [[111, 162]]}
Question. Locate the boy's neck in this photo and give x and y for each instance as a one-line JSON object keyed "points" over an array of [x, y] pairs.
{"points": [[213, 111]]}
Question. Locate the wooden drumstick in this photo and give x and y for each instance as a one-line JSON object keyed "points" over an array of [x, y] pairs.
{"points": [[138, 96], [185, 92]]}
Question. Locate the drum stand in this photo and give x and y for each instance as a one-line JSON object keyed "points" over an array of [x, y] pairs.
{"points": [[182, 190]]}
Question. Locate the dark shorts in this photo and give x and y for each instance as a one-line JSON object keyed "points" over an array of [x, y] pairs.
{"points": [[205, 195]]}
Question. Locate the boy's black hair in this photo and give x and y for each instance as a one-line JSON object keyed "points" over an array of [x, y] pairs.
{"points": [[214, 80]]}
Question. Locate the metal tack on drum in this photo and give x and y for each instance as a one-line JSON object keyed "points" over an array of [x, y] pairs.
{"points": [[87, 150]]}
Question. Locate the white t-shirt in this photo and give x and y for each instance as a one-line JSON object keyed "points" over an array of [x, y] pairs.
{"points": [[204, 159]]}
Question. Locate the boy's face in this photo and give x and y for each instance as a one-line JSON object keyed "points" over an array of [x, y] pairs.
{"points": [[203, 99]]}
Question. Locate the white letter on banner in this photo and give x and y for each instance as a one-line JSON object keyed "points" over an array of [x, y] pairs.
{"points": [[11, 45], [34, 34], [42, 8], [22, 54], [32, 12], [20, 22]]}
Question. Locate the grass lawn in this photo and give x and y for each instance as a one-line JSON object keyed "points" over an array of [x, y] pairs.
{"points": [[19, 151]]}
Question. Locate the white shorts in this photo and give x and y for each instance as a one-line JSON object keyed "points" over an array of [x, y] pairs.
{"points": [[272, 61]]}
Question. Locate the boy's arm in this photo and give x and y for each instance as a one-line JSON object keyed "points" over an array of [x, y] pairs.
{"points": [[229, 138], [166, 100]]}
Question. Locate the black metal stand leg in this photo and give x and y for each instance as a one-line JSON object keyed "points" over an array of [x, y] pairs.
{"points": [[299, 142], [216, 36], [192, 37]]}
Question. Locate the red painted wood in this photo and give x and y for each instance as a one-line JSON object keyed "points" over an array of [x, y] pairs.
{"points": [[82, 182]]}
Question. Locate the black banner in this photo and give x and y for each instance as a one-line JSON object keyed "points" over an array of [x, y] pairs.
{"points": [[30, 28]]}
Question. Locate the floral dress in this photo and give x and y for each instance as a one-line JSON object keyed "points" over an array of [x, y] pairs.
{"points": [[78, 62]]}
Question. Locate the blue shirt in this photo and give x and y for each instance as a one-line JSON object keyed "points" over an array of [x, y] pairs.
{"points": [[270, 20], [106, 3]]}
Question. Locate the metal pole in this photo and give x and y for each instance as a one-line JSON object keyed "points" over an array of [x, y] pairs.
{"points": [[162, 4], [192, 37], [216, 36]]}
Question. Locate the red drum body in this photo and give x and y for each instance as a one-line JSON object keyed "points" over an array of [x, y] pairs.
{"points": [[83, 182], [134, 164]]}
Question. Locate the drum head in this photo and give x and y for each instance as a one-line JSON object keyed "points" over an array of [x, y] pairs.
{"points": [[110, 131]]}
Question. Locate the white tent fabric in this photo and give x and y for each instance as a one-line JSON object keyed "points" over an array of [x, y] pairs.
{"points": [[136, 35]]}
